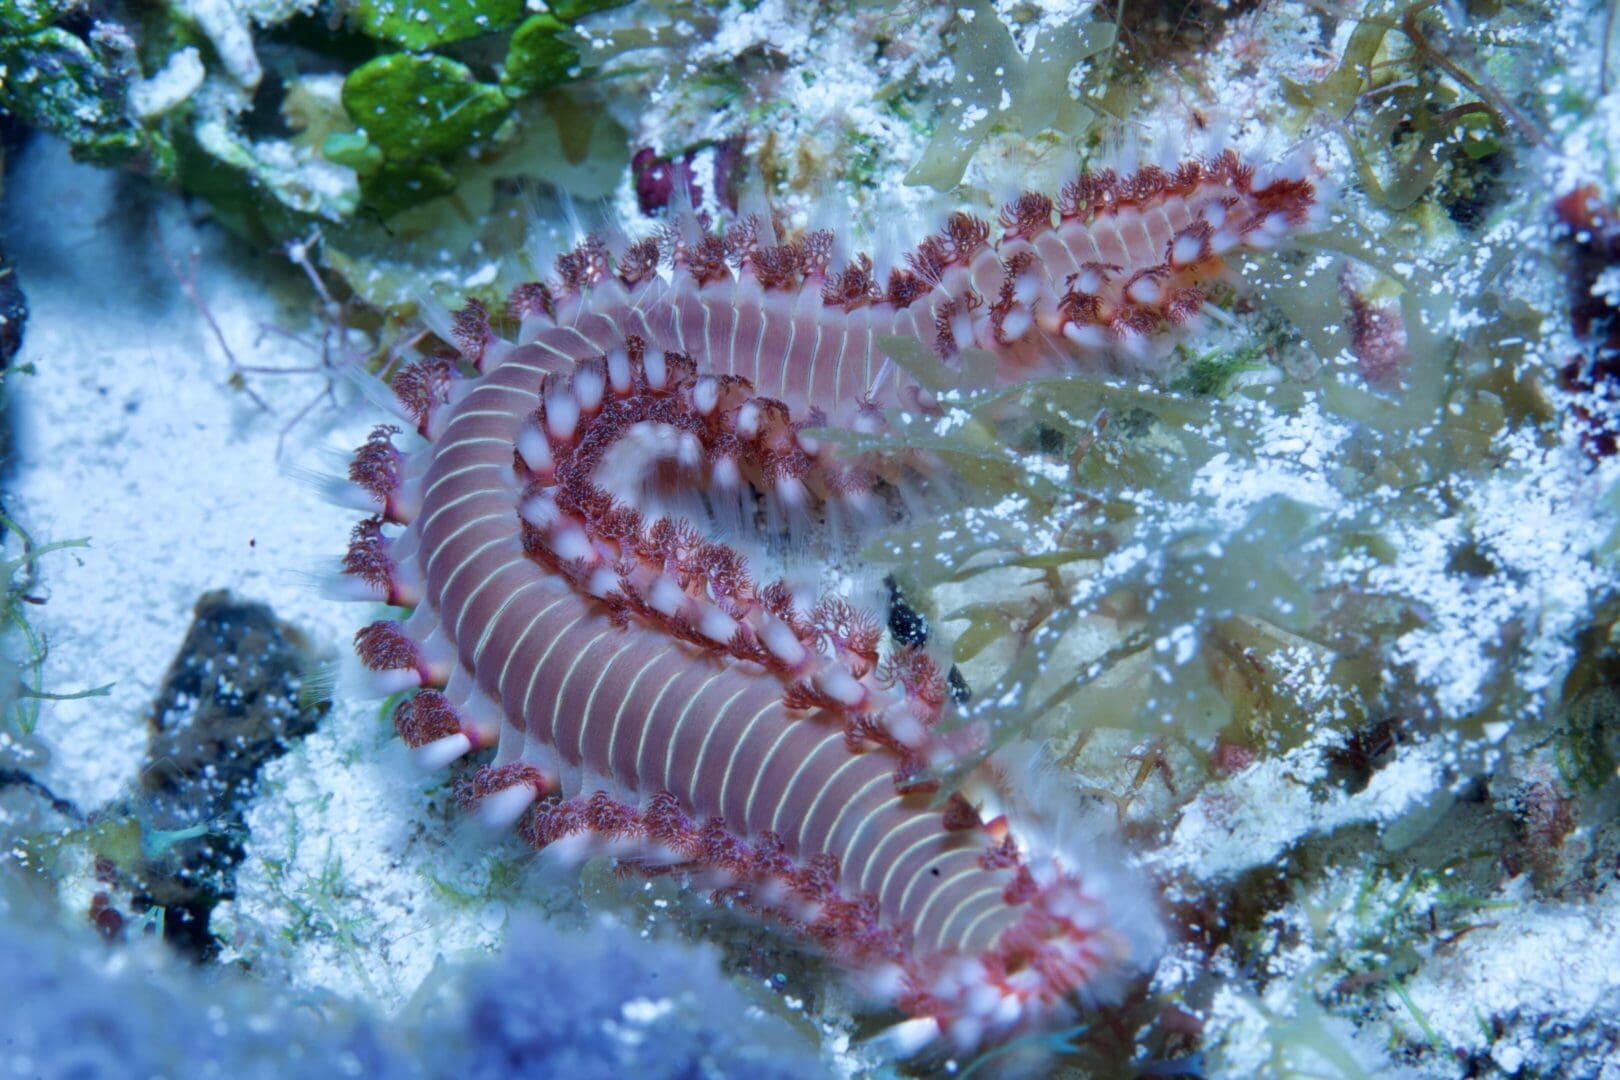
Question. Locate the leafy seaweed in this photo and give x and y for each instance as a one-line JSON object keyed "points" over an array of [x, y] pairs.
{"points": [[997, 85]]}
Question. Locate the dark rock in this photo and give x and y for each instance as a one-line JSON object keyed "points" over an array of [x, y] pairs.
{"points": [[13, 317], [13, 312], [908, 626], [229, 703]]}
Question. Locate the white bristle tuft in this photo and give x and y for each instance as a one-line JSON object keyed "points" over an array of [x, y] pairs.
{"points": [[1186, 249], [602, 582], [441, 752], [982, 999], [840, 685], [657, 369], [1026, 289], [570, 850], [572, 545], [377, 393], [748, 420], [716, 625], [384, 684], [335, 490], [533, 448], [562, 413], [909, 1037], [588, 385], [907, 729], [688, 450], [1294, 168], [540, 511], [790, 489], [436, 316], [618, 371], [962, 330], [782, 643], [884, 983], [966, 1032], [495, 353], [706, 394], [1009, 1010], [1086, 335], [346, 588], [1134, 345], [1016, 324], [502, 809], [1145, 291], [666, 596]]}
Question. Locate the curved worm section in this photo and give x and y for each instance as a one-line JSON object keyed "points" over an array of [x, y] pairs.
{"points": [[611, 540]]}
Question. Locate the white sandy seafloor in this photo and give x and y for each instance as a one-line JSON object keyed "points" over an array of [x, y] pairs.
{"points": [[359, 875], [130, 436]]}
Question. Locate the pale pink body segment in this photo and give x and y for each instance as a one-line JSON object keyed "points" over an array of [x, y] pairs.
{"points": [[648, 695]]}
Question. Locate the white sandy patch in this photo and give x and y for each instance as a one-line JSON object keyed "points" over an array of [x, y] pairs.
{"points": [[1535, 958], [130, 435]]}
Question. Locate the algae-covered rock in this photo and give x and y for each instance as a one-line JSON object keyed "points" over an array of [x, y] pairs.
{"points": [[424, 24], [24, 16], [271, 180], [52, 80]]}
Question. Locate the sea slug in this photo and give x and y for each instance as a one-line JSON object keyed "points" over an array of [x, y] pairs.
{"points": [[613, 529]]}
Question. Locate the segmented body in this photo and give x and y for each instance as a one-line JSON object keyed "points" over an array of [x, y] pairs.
{"points": [[587, 530]]}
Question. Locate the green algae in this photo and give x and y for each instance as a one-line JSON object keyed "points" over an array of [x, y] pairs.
{"points": [[427, 24], [569, 10], [1419, 112], [1218, 372], [539, 56], [23, 659], [353, 150], [414, 112], [414, 107]]}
